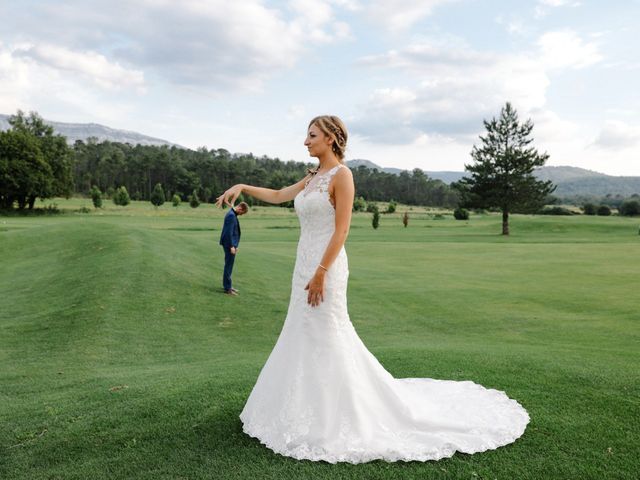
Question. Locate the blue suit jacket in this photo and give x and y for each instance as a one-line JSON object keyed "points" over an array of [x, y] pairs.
{"points": [[230, 236]]}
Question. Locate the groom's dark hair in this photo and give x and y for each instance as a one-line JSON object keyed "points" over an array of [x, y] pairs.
{"points": [[243, 206]]}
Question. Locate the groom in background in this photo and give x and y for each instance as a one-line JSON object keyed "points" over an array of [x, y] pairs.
{"points": [[229, 239]]}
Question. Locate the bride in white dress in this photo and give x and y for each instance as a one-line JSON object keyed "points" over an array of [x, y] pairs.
{"points": [[322, 395]]}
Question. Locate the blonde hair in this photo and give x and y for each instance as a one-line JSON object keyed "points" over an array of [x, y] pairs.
{"points": [[334, 128]]}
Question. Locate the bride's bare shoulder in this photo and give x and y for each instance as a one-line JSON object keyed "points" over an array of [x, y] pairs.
{"points": [[344, 174], [342, 180]]}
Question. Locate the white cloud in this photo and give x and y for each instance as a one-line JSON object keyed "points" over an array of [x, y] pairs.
{"points": [[213, 45], [549, 127], [14, 80], [397, 15], [513, 25], [296, 111], [452, 87], [455, 90], [558, 3], [617, 135], [57, 93], [564, 49], [543, 6], [93, 66], [316, 19]]}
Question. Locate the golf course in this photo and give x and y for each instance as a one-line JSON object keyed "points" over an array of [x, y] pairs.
{"points": [[122, 358]]}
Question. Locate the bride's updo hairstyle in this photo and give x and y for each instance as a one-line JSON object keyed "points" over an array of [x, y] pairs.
{"points": [[334, 128]]}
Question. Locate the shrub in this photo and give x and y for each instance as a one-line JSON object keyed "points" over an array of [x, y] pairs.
{"points": [[461, 214], [84, 209], [589, 209], [375, 221], [194, 201], [110, 192], [603, 210], [405, 219], [121, 197], [359, 204], [96, 197], [438, 216], [391, 207], [372, 207], [175, 200], [555, 211], [157, 196], [629, 208]]}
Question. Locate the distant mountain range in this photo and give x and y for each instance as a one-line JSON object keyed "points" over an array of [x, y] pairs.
{"points": [[445, 176], [83, 131], [570, 181]]}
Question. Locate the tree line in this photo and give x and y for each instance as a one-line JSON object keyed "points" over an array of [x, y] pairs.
{"points": [[139, 168], [35, 163]]}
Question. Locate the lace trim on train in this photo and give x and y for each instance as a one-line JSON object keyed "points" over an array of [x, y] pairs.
{"points": [[404, 449]]}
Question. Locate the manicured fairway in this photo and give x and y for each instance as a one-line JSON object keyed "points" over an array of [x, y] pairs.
{"points": [[121, 358]]}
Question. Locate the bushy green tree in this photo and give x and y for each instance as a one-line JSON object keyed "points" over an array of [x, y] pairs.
{"points": [[121, 197], [391, 207], [175, 200], [604, 210], [194, 201], [359, 204], [375, 220], [589, 209], [157, 196], [34, 163], [405, 219], [96, 197], [502, 175], [629, 208], [557, 210], [23, 169], [461, 214]]}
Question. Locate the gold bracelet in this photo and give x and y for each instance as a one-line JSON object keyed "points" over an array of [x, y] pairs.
{"points": [[323, 267]]}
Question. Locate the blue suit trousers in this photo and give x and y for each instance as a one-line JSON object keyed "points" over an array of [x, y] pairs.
{"points": [[229, 258]]}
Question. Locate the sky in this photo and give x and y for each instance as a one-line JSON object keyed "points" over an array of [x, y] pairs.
{"points": [[412, 80]]}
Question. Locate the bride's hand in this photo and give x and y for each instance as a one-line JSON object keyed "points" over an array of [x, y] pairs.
{"points": [[232, 193], [316, 289]]}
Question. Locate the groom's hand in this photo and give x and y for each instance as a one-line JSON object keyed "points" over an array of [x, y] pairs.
{"points": [[234, 250]]}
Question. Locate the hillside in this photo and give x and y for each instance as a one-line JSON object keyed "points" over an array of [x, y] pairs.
{"points": [[570, 181], [83, 131]]}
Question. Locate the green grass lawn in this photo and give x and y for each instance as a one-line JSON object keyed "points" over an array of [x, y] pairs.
{"points": [[121, 358]]}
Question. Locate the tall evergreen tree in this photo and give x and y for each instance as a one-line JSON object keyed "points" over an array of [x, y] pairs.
{"points": [[157, 196], [502, 176]]}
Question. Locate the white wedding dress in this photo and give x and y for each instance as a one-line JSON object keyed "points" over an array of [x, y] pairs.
{"points": [[322, 395]]}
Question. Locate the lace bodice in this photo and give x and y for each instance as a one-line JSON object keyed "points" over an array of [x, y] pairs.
{"points": [[317, 218], [314, 208]]}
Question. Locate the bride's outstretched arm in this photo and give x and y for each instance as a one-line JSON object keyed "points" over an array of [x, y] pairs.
{"points": [[344, 192], [268, 195]]}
